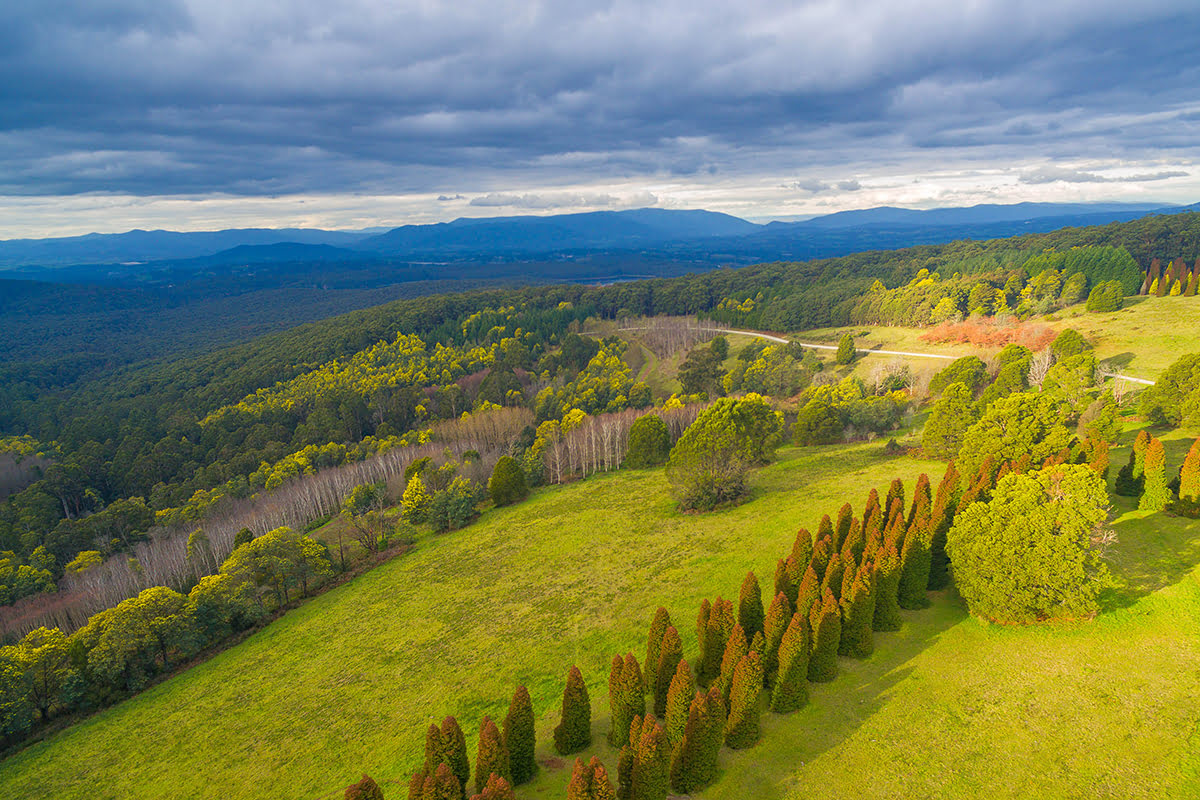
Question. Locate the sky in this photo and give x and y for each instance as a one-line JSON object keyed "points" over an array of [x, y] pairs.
{"points": [[206, 114]]}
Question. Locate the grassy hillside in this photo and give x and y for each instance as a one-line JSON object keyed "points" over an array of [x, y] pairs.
{"points": [[946, 707]]}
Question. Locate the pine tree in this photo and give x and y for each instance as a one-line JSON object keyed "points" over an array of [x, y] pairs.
{"points": [[447, 745], [365, 789], [735, 648], [1189, 476], [446, 785], [779, 615], [887, 590], [750, 606], [496, 788], [742, 726], [842, 528], [694, 762], [915, 561], [658, 628], [858, 615], [626, 697], [520, 738], [1156, 495], [825, 621], [791, 687], [679, 700], [668, 661], [491, 756], [574, 732]]}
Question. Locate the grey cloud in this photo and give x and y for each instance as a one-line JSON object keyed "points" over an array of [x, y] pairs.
{"points": [[849, 186], [446, 198], [1051, 174]]}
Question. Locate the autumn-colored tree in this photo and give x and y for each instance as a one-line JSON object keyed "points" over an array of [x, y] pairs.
{"points": [[520, 737], [590, 781], [779, 615], [447, 745], [887, 590], [658, 629], [492, 755], [365, 789], [834, 572], [809, 592], [713, 628], [495, 788], [443, 784], [895, 493], [1189, 476], [626, 697], [822, 552], [802, 550], [858, 615], [1098, 458], [782, 582], [842, 529], [1140, 444], [574, 731], [669, 656], [645, 764], [694, 762], [742, 726], [750, 606], [791, 686], [679, 700], [1156, 494], [735, 648], [825, 621], [855, 544]]}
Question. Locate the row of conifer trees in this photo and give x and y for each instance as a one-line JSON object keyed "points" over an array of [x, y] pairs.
{"points": [[830, 595]]}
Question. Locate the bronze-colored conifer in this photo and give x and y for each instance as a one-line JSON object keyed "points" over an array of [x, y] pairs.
{"points": [[658, 628], [809, 591], [651, 763], [446, 785], [742, 726], [447, 745], [1189, 476], [694, 761], [825, 529], [679, 700], [855, 544], [779, 615], [802, 549], [887, 590], [833, 575], [495, 788], [791, 686], [669, 657], [858, 615], [717, 627], [822, 552], [895, 492], [492, 754], [590, 781], [416, 785], [945, 502], [825, 621], [574, 732], [915, 558], [735, 647], [842, 528], [365, 789], [750, 605], [520, 737]]}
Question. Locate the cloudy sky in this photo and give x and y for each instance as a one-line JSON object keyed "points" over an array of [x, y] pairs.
{"points": [[201, 114]]}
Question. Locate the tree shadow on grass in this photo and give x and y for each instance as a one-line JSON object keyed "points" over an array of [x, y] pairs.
{"points": [[1153, 550]]}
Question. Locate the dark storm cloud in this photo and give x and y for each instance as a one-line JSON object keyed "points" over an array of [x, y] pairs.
{"points": [[163, 96]]}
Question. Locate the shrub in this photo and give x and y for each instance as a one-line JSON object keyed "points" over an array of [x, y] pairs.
{"points": [[574, 731], [649, 442], [454, 506], [845, 351], [446, 746], [1049, 518], [1106, 296], [507, 484], [365, 789], [968, 370]]}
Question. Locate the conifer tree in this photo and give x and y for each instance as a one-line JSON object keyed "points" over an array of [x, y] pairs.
{"points": [[802, 550], [658, 628], [872, 509], [1155, 288], [846, 350], [779, 615], [822, 552], [446, 785], [791, 686], [922, 499], [1189, 476], [1126, 485], [833, 575], [825, 621], [1156, 494], [520, 737], [855, 544], [625, 761], [887, 589], [895, 492], [758, 645], [858, 615], [496, 788], [365, 789], [492, 755], [651, 763], [694, 762], [1098, 458], [590, 781], [742, 726], [415, 502], [416, 785], [1190, 291], [809, 592], [782, 583], [679, 700], [601, 786], [1140, 443], [735, 648], [750, 606], [447, 745], [574, 732], [717, 627], [842, 529], [915, 560], [668, 661], [825, 528], [626, 697]]}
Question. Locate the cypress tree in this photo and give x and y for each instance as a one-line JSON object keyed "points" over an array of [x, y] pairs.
{"points": [[1126, 485], [822, 552], [735, 648], [446, 785], [782, 583], [887, 589], [872, 510], [416, 785], [1189, 476], [825, 621], [574, 732], [809, 592], [491, 757], [694, 762], [447, 745], [1140, 443], [855, 544], [842, 529], [658, 628], [750, 606], [779, 615], [1190, 291], [718, 625], [668, 661], [365, 789], [758, 645], [626, 697], [601, 786], [915, 561], [1156, 495], [742, 726], [679, 700], [520, 738], [590, 781], [651, 763], [795, 573], [895, 492], [625, 761], [791, 687], [802, 550], [825, 528], [858, 615], [1098, 458], [922, 499], [833, 575], [496, 788]]}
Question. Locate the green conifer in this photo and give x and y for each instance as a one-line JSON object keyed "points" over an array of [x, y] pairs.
{"points": [[669, 657], [825, 621], [365, 789], [779, 615], [491, 756], [822, 552], [782, 583], [802, 550], [626, 697], [858, 615], [1156, 495], [742, 726], [791, 686], [679, 700], [520, 738], [833, 575], [887, 590], [750, 606], [941, 517], [574, 731], [694, 762], [895, 492], [658, 628], [809, 592], [651, 763], [735, 647], [842, 529], [915, 560], [855, 544], [447, 745], [1140, 443], [717, 627], [825, 528]]}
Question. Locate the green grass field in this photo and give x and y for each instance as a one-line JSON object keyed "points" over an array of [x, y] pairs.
{"points": [[946, 707]]}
